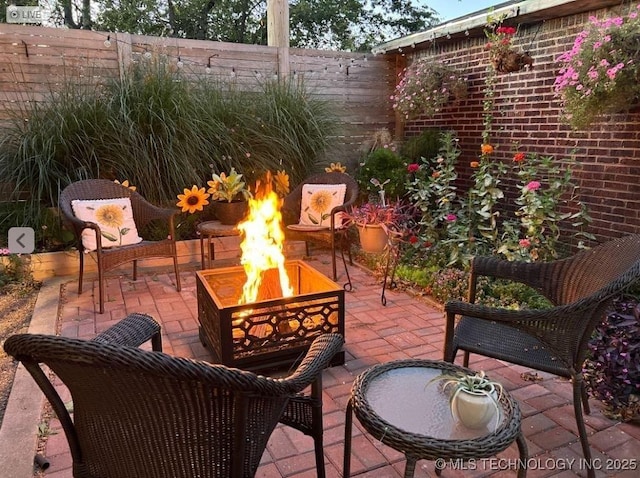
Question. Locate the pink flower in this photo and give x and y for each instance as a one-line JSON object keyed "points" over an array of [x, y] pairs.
{"points": [[413, 167], [451, 217], [524, 243], [532, 186]]}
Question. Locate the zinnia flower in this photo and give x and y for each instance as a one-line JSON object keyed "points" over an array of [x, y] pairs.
{"points": [[486, 149], [413, 239], [532, 186], [518, 157], [451, 217], [413, 167], [193, 199], [524, 243], [474, 164], [435, 174]]}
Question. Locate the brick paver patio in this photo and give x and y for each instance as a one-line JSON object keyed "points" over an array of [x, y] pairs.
{"points": [[407, 327]]}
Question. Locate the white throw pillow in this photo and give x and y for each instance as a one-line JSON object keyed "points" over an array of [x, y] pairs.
{"points": [[115, 218], [317, 202]]}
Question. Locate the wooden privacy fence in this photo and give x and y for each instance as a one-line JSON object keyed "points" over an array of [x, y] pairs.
{"points": [[35, 61]]}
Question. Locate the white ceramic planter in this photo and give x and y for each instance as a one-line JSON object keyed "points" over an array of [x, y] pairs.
{"points": [[475, 410]]}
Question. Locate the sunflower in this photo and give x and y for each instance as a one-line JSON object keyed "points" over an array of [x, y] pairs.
{"points": [[320, 201], [336, 167], [281, 183], [125, 183], [110, 215], [193, 199]]}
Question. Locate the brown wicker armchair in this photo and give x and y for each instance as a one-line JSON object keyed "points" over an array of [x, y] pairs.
{"points": [[110, 258], [147, 414], [552, 340], [333, 236]]}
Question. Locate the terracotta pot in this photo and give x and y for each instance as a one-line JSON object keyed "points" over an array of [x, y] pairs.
{"points": [[373, 238], [475, 410], [230, 213]]}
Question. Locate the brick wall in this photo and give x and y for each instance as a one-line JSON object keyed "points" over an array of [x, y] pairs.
{"points": [[527, 113]]}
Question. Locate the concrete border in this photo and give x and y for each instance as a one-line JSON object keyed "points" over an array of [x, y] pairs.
{"points": [[19, 432]]}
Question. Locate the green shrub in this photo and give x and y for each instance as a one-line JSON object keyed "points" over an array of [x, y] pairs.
{"points": [[384, 165]]}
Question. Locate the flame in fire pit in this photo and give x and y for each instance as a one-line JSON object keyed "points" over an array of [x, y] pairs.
{"points": [[262, 256]]}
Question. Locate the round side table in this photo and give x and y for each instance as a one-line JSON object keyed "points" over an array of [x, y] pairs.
{"points": [[396, 404], [209, 230]]}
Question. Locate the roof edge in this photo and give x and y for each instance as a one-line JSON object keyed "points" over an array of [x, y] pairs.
{"points": [[467, 23]]}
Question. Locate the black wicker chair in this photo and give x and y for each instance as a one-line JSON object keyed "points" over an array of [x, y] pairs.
{"points": [[333, 237], [552, 340], [143, 213], [148, 414]]}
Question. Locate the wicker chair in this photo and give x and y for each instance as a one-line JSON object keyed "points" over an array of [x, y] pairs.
{"points": [[552, 340], [147, 414], [143, 213], [334, 236]]}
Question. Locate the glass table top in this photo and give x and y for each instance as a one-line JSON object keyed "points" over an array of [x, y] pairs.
{"points": [[404, 398]]}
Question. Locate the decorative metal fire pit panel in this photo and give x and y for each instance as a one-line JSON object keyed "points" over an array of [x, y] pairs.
{"points": [[270, 332]]}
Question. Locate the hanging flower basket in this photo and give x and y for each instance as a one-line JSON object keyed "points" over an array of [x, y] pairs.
{"points": [[501, 54], [599, 74], [426, 87], [510, 61]]}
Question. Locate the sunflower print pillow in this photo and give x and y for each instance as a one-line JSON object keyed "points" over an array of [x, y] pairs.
{"points": [[115, 218], [317, 202]]}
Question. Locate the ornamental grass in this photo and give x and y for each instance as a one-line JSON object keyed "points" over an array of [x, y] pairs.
{"points": [[160, 132]]}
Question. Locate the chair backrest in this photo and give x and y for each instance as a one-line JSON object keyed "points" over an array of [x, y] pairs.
{"points": [[577, 277], [147, 414], [292, 203], [104, 189]]}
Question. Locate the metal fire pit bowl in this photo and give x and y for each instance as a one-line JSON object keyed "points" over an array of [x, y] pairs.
{"points": [[271, 332]]}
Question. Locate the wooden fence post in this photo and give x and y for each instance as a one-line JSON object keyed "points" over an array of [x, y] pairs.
{"points": [[278, 33]]}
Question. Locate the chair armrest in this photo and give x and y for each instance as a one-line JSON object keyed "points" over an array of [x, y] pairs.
{"points": [[132, 331], [318, 357], [458, 307]]}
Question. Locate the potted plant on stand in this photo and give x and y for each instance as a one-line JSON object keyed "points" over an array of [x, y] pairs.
{"points": [[230, 194], [474, 398], [375, 223]]}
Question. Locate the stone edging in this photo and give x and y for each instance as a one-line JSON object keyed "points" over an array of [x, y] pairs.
{"points": [[18, 435]]}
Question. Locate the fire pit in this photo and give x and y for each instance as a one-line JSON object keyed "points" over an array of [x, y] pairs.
{"points": [[273, 331]]}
